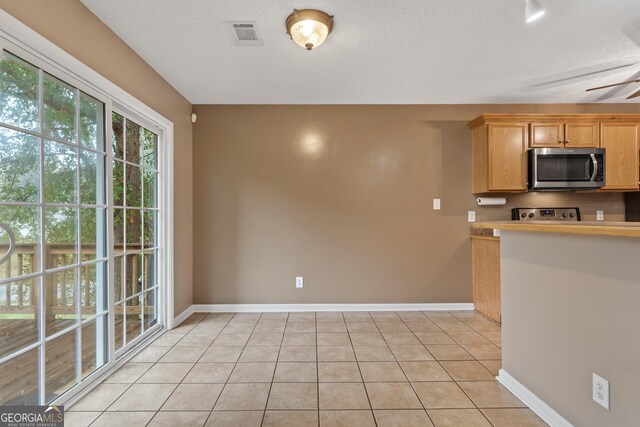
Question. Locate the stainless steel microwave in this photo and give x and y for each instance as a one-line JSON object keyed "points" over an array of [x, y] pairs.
{"points": [[557, 169]]}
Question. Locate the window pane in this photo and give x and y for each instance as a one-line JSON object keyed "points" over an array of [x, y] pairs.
{"points": [[92, 233], [60, 236], [118, 231], [18, 302], [149, 148], [19, 166], [24, 222], [118, 183], [134, 229], [91, 122], [133, 187], [149, 262], [149, 228], [91, 178], [117, 139], [19, 386], [60, 295], [60, 365], [59, 109], [149, 188], [119, 327], [94, 345], [60, 173], [118, 283], [93, 289], [133, 142], [19, 87], [150, 315], [133, 283], [133, 317]]}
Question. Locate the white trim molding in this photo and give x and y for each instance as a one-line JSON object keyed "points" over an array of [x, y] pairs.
{"points": [[537, 405], [246, 308], [182, 316]]}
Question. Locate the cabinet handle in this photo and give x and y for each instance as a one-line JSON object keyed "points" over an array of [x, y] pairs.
{"points": [[567, 142]]}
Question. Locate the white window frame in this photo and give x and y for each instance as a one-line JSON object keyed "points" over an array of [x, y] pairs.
{"points": [[46, 55]]}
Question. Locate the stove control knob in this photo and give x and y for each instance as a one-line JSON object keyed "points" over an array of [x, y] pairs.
{"points": [[523, 215], [564, 215], [531, 215], [571, 215]]}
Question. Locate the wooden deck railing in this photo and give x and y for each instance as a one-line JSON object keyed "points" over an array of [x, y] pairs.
{"points": [[19, 297]]}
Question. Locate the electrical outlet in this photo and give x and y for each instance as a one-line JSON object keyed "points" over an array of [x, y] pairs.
{"points": [[496, 232], [299, 282], [601, 391], [600, 215], [436, 204], [471, 216]]}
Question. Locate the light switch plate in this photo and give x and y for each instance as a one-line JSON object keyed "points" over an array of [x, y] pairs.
{"points": [[436, 204], [600, 215], [299, 282], [471, 216]]}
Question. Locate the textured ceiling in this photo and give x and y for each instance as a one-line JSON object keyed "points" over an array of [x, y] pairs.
{"points": [[387, 52]]}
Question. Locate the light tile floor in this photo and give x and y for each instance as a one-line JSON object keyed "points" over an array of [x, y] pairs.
{"points": [[313, 369]]}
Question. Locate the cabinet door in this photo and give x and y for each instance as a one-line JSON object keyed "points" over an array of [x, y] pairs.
{"points": [[579, 135], [486, 276], [621, 143], [547, 135], [507, 165]]}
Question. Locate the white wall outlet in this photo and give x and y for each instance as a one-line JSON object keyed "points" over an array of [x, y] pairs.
{"points": [[600, 215], [601, 391], [496, 232], [471, 216], [436, 204], [299, 282]]}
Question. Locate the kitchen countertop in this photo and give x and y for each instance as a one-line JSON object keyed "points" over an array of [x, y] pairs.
{"points": [[597, 228]]}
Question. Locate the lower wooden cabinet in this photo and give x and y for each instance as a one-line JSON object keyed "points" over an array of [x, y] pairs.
{"points": [[486, 275]]}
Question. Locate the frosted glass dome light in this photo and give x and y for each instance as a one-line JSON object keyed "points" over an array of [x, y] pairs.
{"points": [[309, 28]]}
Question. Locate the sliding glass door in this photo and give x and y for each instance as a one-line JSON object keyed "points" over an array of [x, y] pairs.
{"points": [[135, 174], [78, 244]]}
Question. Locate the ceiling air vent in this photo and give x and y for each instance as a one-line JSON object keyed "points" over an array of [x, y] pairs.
{"points": [[246, 33]]}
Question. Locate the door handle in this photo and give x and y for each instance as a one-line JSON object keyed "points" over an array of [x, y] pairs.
{"points": [[12, 242], [595, 167]]}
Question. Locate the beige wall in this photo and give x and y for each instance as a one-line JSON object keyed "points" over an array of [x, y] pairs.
{"points": [[71, 26], [570, 309], [342, 195]]}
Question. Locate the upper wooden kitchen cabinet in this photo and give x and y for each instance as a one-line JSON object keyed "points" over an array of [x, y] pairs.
{"points": [[621, 143], [499, 161], [574, 134]]}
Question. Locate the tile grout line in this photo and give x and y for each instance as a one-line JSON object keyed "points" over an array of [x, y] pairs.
{"points": [[400, 366], [187, 374], [474, 358], [410, 383], [364, 385], [194, 365], [275, 368], [317, 368]]}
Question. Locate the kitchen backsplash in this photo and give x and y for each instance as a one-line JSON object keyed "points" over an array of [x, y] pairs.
{"points": [[589, 202]]}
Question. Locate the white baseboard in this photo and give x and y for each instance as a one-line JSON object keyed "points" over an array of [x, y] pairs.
{"points": [[245, 308], [537, 405], [181, 317]]}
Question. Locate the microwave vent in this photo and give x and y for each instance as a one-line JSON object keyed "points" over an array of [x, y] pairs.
{"points": [[246, 33]]}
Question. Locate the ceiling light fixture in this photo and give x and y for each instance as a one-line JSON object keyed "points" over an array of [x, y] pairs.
{"points": [[309, 27], [533, 10]]}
